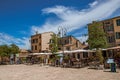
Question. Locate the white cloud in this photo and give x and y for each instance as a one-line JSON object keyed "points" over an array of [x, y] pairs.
{"points": [[93, 3], [75, 19], [8, 39]]}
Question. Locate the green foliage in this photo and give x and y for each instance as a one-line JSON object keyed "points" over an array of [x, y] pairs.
{"points": [[6, 50], [99, 56], [97, 37], [54, 43], [14, 49]]}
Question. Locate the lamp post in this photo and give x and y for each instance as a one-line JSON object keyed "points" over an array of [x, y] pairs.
{"points": [[62, 33]]}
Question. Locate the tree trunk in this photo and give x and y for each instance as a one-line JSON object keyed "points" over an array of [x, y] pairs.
{"points": [[99, 56]]}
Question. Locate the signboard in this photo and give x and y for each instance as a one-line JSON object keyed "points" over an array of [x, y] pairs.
{"points": [[110, 61]]}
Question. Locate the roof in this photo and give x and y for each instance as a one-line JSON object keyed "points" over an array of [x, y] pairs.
{"points": [[23, 50], [105, 20], [42, 33], [84, 46], [111, 18], [72, 37]]}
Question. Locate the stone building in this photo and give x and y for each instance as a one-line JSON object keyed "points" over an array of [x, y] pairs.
{"points": [[40, 42], [70, 43], [24, 53], [112, 29]]}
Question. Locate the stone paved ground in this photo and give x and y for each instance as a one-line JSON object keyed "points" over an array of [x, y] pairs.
{"points": [[36, 72]]}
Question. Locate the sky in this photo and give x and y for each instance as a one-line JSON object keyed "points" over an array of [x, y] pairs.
{"points": [[19, 19]]}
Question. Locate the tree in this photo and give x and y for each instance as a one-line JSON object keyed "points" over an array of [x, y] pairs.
{"points": [[99, 56], [54, 48], [54, 43], [4, 51], [14, 49], [97, 39]]}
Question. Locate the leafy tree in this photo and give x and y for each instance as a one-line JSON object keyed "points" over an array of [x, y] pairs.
{"points": [[54, 43], [54, 47], [99, 56], [14, 49], [4, 51], [97, 39]]}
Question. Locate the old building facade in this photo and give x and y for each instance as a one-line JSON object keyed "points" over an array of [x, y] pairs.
{"points": [[70, 43], [40, 42], [112, 29]]}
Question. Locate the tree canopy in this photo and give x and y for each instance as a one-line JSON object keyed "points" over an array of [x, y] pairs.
{"points": [[6, 50], [54, 43], [97, 37], [14, 49]]}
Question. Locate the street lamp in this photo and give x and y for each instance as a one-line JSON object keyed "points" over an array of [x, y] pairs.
{"points": [[62, 33]]}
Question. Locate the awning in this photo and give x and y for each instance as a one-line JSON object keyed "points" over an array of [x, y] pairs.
{"points": [[40, 53], [75, 51]]}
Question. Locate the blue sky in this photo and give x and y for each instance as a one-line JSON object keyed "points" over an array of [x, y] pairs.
{"points": [[19, 19]]}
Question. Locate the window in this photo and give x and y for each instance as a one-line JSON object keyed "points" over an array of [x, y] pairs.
{"points": [[110, 28], [39, 37], [73, 55], [78, 56], [118, 22], [111, 39], [76, 43], [35, 47], [51, 41], [85, 54], [66, 41], [117, 35], [36, 40], [33, 41], [39, 44], [32, 47]]}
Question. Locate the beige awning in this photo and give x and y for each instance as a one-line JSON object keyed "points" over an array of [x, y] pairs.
{"points": [[40, 54]]}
